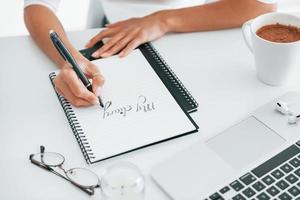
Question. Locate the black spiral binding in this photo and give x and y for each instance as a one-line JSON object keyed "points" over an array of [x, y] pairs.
{"points": [[75, 126], [169, 78]]}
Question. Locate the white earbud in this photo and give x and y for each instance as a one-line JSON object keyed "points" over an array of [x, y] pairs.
{"points": [[294, 119], [283, 108]]}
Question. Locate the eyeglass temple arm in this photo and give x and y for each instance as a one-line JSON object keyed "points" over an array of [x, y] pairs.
{"points": [[89, 191]]}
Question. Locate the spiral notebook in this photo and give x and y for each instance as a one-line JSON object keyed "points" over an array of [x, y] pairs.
{"points": [[165, 73], [139, 110]]}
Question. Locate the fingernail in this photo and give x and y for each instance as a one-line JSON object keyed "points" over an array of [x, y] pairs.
{"points": [[121, 54], [96, 101], [95, 54], [99, 91]]}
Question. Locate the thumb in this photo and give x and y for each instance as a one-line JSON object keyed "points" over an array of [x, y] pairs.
{"points": [[97, 84], [97, 79], [92, 72]]}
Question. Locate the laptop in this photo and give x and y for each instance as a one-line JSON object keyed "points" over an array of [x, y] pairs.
{"points": [[258, 158]]}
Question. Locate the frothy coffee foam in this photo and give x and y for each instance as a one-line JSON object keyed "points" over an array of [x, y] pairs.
{"points": [[279, 33]]}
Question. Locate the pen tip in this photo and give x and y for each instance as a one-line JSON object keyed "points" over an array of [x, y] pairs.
{"points": [[51, 31], [100, 102]]}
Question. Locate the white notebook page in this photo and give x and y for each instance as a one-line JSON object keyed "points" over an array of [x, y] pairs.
{"points": [[139, 110]]}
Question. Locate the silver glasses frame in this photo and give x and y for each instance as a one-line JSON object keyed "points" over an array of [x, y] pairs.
{"points": [[90, 190]]}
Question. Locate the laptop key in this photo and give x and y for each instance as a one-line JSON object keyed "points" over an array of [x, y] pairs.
{"points": [[268, 180], [249, 192], [277, 174], [297, 172], [291, 178], [258, 186], [247, 179], [295, 162], [286, 168], [224, 190], [215, 196], [277, 160], [238, 197], [282, 184], [273, 191], [284, 196], [236, 185], [263, 196], [294, 191]]}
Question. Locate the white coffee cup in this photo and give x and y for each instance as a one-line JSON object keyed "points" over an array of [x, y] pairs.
{"points": [[275, 62]]}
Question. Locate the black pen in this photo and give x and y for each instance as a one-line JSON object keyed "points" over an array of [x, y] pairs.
{"points": [[64, 52]]}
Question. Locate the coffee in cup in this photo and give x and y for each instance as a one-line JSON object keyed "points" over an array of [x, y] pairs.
{"points": [[279, 33]]}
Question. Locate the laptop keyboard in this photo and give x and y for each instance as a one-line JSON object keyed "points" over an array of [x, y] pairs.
{"points": [[278, 178]]}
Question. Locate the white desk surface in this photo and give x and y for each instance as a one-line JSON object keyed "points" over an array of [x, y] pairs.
{"points": [[216, 67]]}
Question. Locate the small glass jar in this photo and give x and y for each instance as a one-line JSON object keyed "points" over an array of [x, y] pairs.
{"points": [[123, 181]]}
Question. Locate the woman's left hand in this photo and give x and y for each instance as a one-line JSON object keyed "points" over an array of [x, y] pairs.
{"points": [[125, 36]]}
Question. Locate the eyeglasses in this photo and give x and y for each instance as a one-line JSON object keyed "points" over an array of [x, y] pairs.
{"points": [[83, 179]]}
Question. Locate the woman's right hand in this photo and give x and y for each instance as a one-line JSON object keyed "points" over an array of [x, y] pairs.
{"points": [[70, 86]]}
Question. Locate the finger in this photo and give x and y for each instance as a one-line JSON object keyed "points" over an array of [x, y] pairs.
{"points": [[76, 86], [111, 42], [103, 34], [64, 90], [57, 82], [121, 44], [98, 82], [58, 90], [130, 47], [78, 102], [98, 79]]}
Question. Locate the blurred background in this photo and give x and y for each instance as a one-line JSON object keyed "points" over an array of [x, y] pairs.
{"points": [[72, 13], [75, 14]]}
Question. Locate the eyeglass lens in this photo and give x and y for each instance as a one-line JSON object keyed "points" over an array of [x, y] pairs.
{"points": [[50, 158], [83, 177]]}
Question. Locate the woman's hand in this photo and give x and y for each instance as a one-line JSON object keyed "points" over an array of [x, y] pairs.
{"points": [[125, 36], [69, 85]]}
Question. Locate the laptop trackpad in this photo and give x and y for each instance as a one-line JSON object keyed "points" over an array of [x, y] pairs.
{"points": [[245, 142]]}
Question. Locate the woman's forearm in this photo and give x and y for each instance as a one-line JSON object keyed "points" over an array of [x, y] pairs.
{"points": [[39, 20], [218, 15]]}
